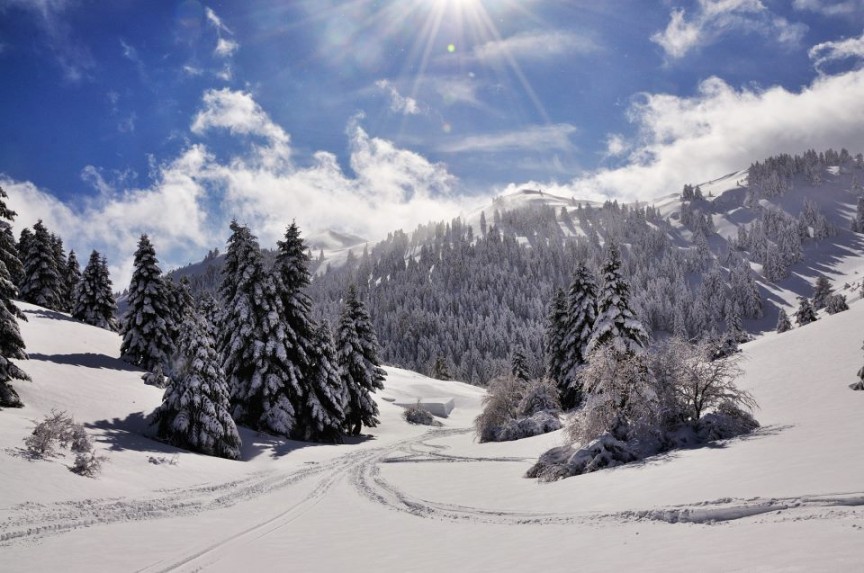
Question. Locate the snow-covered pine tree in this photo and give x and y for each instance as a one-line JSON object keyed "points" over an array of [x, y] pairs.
{"points": [[805, 313], [195, 410], [578, 330], [252, 341], [519, 365], [322, 412], [835, 303], [180, 304], [441, 371], [357, 351], [9, 255], [11, 343], [72, 276], [42, 282], [556, 322], [292, 276], [821, 291], [94, 302], [146, 330], [64, 297], [25, 240], [208, 307], [783, 323], [616, 323]]}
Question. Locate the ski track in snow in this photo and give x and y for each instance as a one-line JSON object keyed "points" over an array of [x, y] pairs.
{"points": [[30, 521]]}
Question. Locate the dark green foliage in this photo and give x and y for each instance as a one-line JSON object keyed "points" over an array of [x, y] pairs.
{"points": [[94, 301]]}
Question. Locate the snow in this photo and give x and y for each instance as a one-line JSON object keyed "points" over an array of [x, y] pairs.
{"points": [[437, 406], [788, 498]]}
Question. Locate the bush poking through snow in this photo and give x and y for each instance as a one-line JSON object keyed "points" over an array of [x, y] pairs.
{"points": [[515, 409], [417, 415], [59, 430], [639, 405]]}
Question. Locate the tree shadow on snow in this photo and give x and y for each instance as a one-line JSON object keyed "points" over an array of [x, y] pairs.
{"points": [[52, 314], [258, 443], [130, 433], [86, 359]]}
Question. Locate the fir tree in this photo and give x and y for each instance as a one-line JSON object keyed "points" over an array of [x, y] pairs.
{"points": [[578, 330], [556, 323], [616, 323], [322, 413], [25, 240], [262, 382], [146, 326], [441, 371], [519, 365], [64, 297], [11, 343], [835, 303], [195, 411], [72, 276], [357, 351], [821, 291], [94, 303], [42, 283], [783, 323], [805, 313], [9, 255]]}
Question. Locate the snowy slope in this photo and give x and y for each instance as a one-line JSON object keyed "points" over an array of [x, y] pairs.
{"points": [[790, 498]]}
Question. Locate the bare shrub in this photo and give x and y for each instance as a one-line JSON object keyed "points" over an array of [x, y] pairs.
{"points": [[59, 431]]}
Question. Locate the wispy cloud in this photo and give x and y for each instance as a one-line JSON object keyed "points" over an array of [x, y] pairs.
{"points": [[537, 138], [535, 45], [830, 7], [398, 103], [715, 18], [849, 49], [73, 57]]}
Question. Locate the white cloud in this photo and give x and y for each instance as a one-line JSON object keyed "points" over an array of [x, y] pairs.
{"points": [[715, 18], [540, 137], [398, 103], [723, 129], [616, 145], [536, 45], [830, 7], [192, 198], [225, 48], [455, 90], [852, 48]]}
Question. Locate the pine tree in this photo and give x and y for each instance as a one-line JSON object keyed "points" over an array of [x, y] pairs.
{"points": [[42, 283], [821, 291], [616, 323], [322, 413], [556, 323], [9, 255], [64, 297], [805, 313], [72, 276], [441, 371], [25, 240], [94, 303], [835, 303], [262, 381], [195, 411], [578, 330], [146, 326], [783, 323], [11, 342], [357, 351], [519, 365]]}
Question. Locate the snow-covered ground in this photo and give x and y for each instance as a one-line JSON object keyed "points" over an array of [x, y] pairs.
{"points": [[411, 498]]}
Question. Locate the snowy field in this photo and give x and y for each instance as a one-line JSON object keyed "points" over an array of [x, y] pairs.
{"points": [[411, 498]]}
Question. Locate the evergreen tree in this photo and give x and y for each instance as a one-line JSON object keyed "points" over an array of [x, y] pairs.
{"points": [[519, 365], [9, 255], [72, 276], [783, 323], [11, 343], [616, 323], [146, 330], [262, 381], [180, 304], [835, 303], [42, 282], [578, 330], [556, 323], [821, 291], [357, 350], [94, 302], [441, 371], [64, 297], [195, 411], [25, 241], [805, 313], [322, 413]]}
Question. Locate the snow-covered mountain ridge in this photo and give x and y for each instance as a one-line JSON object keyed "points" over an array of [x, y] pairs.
{"points": [[788, 498]]}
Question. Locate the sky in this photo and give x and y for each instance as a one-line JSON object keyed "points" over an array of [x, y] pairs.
{"points": [[364, 116]]}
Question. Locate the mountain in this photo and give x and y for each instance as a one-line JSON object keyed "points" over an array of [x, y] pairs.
{"points": [[411, 497]]}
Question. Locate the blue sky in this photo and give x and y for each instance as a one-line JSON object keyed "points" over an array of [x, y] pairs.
{"points": [[173, 117]]}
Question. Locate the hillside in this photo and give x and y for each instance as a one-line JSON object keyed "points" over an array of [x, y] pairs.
{"points": [[786, 498]]}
